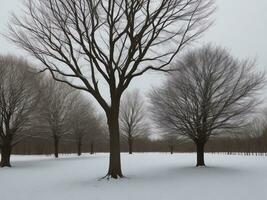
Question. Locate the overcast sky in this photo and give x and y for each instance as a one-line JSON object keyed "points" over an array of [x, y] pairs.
{"points": [[239, 25]]}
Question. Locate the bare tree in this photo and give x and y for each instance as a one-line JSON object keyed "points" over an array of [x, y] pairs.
{"points": [[55, 106], [18, 99], [172, 141], [108, 43], [98, 134], [211, 92], [133, 124], [83, 122]]}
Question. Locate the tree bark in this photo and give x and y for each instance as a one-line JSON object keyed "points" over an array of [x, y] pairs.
{"points": [[200, 154], [5, 155], [114, 143], [56, 142], [92, 148], [130, 143], [79, 147]]}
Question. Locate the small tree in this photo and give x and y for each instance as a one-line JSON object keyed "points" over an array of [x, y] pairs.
{"points": [[133, 122], [18, 99], [55, 106], [108, 43], [172, 140], [83, 122], [98, 134], [210, 92]]}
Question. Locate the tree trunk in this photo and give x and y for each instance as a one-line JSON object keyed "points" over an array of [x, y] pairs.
{"points": [[79, 147], [92, 148], [114, 143], [171, 149], [130, 143], [200, 154], [5, 155], [56, 142]]}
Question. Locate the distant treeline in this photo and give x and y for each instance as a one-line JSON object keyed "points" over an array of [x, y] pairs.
{"points": [[245, 145]]}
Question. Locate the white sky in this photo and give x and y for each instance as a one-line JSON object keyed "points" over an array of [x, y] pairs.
{"points": [[240, 26]]}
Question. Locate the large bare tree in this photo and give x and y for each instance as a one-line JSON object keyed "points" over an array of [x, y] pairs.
{"points": [[19, 96], [100, 44], [211, 92], [133, 122]]}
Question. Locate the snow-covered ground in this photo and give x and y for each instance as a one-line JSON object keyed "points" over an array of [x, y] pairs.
{"points": [[150, 176]]}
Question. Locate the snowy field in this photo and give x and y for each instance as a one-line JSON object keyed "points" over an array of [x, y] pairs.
{"points": [[151, 176]]}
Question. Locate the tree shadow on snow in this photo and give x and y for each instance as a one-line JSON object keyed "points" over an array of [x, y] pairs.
{"points": [[187, 173]]}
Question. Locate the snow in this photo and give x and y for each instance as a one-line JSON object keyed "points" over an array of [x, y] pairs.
{"points": [[149, 176]]}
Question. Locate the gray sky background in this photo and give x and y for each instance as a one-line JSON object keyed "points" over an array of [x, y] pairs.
{"points": [[239, 25]]}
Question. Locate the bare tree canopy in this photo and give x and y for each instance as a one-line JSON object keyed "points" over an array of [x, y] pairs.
{"points": [[19, 95], [133, 122], [209, 93], [109, 42]]}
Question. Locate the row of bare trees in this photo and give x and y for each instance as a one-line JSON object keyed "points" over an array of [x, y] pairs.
{"points": [[66, 114], [208, 94], [241, 144], [50, 111], [34, 105]]}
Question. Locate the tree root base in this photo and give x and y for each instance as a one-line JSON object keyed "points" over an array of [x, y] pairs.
{"points": [[109, 176], [201, 166], [3, 165]]}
